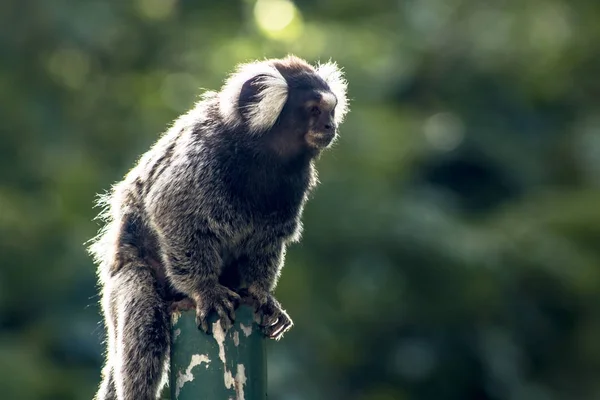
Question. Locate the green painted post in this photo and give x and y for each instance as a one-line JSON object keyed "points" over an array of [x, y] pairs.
{"points": [[220, 366]]}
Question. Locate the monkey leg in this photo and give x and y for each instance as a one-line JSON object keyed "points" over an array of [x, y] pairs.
{"points": [[141, 348]]}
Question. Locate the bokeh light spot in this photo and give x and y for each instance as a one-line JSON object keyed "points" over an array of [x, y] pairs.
{"points": [[156, 9], [278, 19], [69, 66], [444, 131]]}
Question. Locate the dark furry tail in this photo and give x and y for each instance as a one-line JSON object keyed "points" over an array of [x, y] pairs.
{"points": [[136, 316], [138, 329]]}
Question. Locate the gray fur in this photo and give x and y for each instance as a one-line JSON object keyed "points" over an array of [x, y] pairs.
{"points": [[206, 214]]}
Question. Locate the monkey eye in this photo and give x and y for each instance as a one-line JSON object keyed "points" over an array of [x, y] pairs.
{"points": [[315, 110]]}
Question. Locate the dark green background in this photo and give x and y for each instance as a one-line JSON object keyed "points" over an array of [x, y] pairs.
{"points": [[452, 250]]}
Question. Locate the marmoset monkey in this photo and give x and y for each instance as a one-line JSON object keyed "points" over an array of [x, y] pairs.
{"points": [[207, 214]]}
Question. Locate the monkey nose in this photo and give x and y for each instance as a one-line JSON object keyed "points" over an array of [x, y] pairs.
{"points": [[328, 127]]}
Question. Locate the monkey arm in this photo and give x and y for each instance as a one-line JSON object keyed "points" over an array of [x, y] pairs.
{"points": [[193, 263], [262, 268]]}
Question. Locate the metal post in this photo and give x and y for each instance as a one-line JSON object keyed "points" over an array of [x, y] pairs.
{"points": [[220, 366]]}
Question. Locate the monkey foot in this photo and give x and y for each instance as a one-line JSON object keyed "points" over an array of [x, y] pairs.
{"points": [[217, 300], [271, 317]]}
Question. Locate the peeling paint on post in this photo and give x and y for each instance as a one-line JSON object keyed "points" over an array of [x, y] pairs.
{"points": [[221, 366]]}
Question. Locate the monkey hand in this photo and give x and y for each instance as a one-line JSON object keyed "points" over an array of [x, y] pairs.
{"points": [[216, 299], [272, 319]]}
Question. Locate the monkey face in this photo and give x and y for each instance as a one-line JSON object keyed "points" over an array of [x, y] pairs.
{"points": [[286, 106], [307, 122], [320, 113]]}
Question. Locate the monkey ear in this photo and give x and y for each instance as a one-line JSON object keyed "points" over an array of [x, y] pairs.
{"points": [[255, 94], [334, 77]]}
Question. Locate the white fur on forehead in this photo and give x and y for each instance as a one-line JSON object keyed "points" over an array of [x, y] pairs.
{"points": [[329, 99], [263, 113], [338, 85]]}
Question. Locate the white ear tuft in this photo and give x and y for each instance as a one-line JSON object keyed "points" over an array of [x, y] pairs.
{"points": [[270, 99], [334, 77]]}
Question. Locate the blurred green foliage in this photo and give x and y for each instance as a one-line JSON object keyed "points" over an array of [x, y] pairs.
{"points": [[452, 250]]}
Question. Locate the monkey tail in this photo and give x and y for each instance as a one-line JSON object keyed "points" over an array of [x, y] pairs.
{"points": [[137, 322], [136, 313]]}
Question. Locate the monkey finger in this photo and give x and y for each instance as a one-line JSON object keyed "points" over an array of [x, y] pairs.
{"points": [[274, 331], [202, 323], [226, 324], [228, 307], [234, 299], [230, 304], [268, 327], [268, 320], [231, 313], [277, 331], [226, 321], [202, 317]]}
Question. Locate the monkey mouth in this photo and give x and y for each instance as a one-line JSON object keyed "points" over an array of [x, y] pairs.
{"points": [[319, 140]]}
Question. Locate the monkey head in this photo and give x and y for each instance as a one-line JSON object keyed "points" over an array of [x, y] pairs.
{"points": [[286, 104]]}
